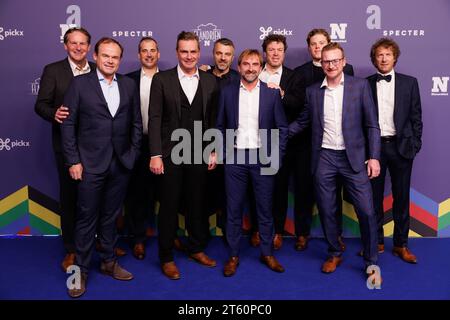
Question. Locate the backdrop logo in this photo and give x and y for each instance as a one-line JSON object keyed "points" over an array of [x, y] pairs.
{"points": [[6, 33], [35, 86], [265, 31], [132, 33], [337, 32], [373, 22], [208, 33], [72, 21], [6, 144], [440, 86]]}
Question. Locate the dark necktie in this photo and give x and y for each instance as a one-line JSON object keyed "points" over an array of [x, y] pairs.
{"points": [[381, 77]]}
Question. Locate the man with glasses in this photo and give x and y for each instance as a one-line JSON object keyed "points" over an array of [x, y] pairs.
{"points": [[294, 101], [346, 144]]}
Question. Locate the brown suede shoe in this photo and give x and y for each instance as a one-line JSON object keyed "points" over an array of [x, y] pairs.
{"points": [[380, 248], [203, 259], [272, 263], [230, 267], [114, 270], [69, 260], [76, 293], [139, 251], [255, 239], [277, 241], [341, 243], [331, 264], [301, 243], [170, 270], [404, 254]]}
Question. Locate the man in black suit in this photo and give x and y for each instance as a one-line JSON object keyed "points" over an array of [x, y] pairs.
{"points": [[294, 100], [140, 200], [55, 80], [397, 98], [101, 140], [182, 98], [277, 76]]}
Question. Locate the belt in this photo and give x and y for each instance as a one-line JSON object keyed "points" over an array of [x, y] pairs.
{"points": [[388, 139]]}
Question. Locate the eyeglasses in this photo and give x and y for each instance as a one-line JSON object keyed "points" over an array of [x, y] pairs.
{"points": [[334, 62]]}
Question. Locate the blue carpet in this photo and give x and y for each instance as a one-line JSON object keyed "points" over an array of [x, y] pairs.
{"points": [[30, 269]]}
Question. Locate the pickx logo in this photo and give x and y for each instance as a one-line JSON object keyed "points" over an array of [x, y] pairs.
{"points": [[270, 30], [7, 144], [10, 33], [74, 20], [208, 33], [35, 86], [337, 33], [440, 86]]}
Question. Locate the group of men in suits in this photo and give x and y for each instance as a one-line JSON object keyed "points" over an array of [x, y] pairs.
{"points": [[109, 129]]}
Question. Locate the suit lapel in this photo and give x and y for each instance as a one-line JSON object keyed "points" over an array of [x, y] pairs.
{"points": [[121, 93], [320, 96], [235, 104], [397, 99], [346, 103], [176, 95]]}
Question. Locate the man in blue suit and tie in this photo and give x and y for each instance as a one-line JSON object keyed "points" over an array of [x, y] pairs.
{"points": [[246, 110], [101, 141], [397, 98], [346, 143]]}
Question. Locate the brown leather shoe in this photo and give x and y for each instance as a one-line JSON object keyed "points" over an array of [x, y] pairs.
{"points": [[178, 245], [76, 293], [69, 260], [404, 254], [277, 241], [119, 252], [203, 259], [301, 243], [114, 270], [170, 270], [139, 251], [272, 263], [331, 264], [255, 240], [380, 248], [230, 267], [341, 243]]}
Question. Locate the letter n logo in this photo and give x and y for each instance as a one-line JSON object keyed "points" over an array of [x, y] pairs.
{"points": [[440, 86], [338, 32]]}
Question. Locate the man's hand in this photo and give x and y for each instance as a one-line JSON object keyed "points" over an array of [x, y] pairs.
{"points": [[156, 165], [275, 86], [61, 114], [76, 171], [373, 168], [204, 67], [212, 164]]}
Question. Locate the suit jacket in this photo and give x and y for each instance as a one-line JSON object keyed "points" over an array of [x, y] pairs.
{"points": [[136, 76], [165, 108], [90, 135], [407, 113], [359, 122], [55, 80], [271, 114]]}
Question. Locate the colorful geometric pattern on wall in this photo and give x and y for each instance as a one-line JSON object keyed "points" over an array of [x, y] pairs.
{"points": [[29, 212]]}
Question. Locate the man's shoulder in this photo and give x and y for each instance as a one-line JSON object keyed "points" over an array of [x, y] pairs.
{"points": [[404, 77], [304, 67], [134, 74], [206, 76]]}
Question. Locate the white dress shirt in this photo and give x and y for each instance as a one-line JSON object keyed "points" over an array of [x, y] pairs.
{"points": [[77, 70], [386, 102], [247, 135], [144, 90], [332, 116], [275, 77], [189, 84], [110, 92]]}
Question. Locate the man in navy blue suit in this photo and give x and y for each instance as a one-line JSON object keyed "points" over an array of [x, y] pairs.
{"points": [[397, 98], [246, 110], [101, 140], [345, 143]]}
